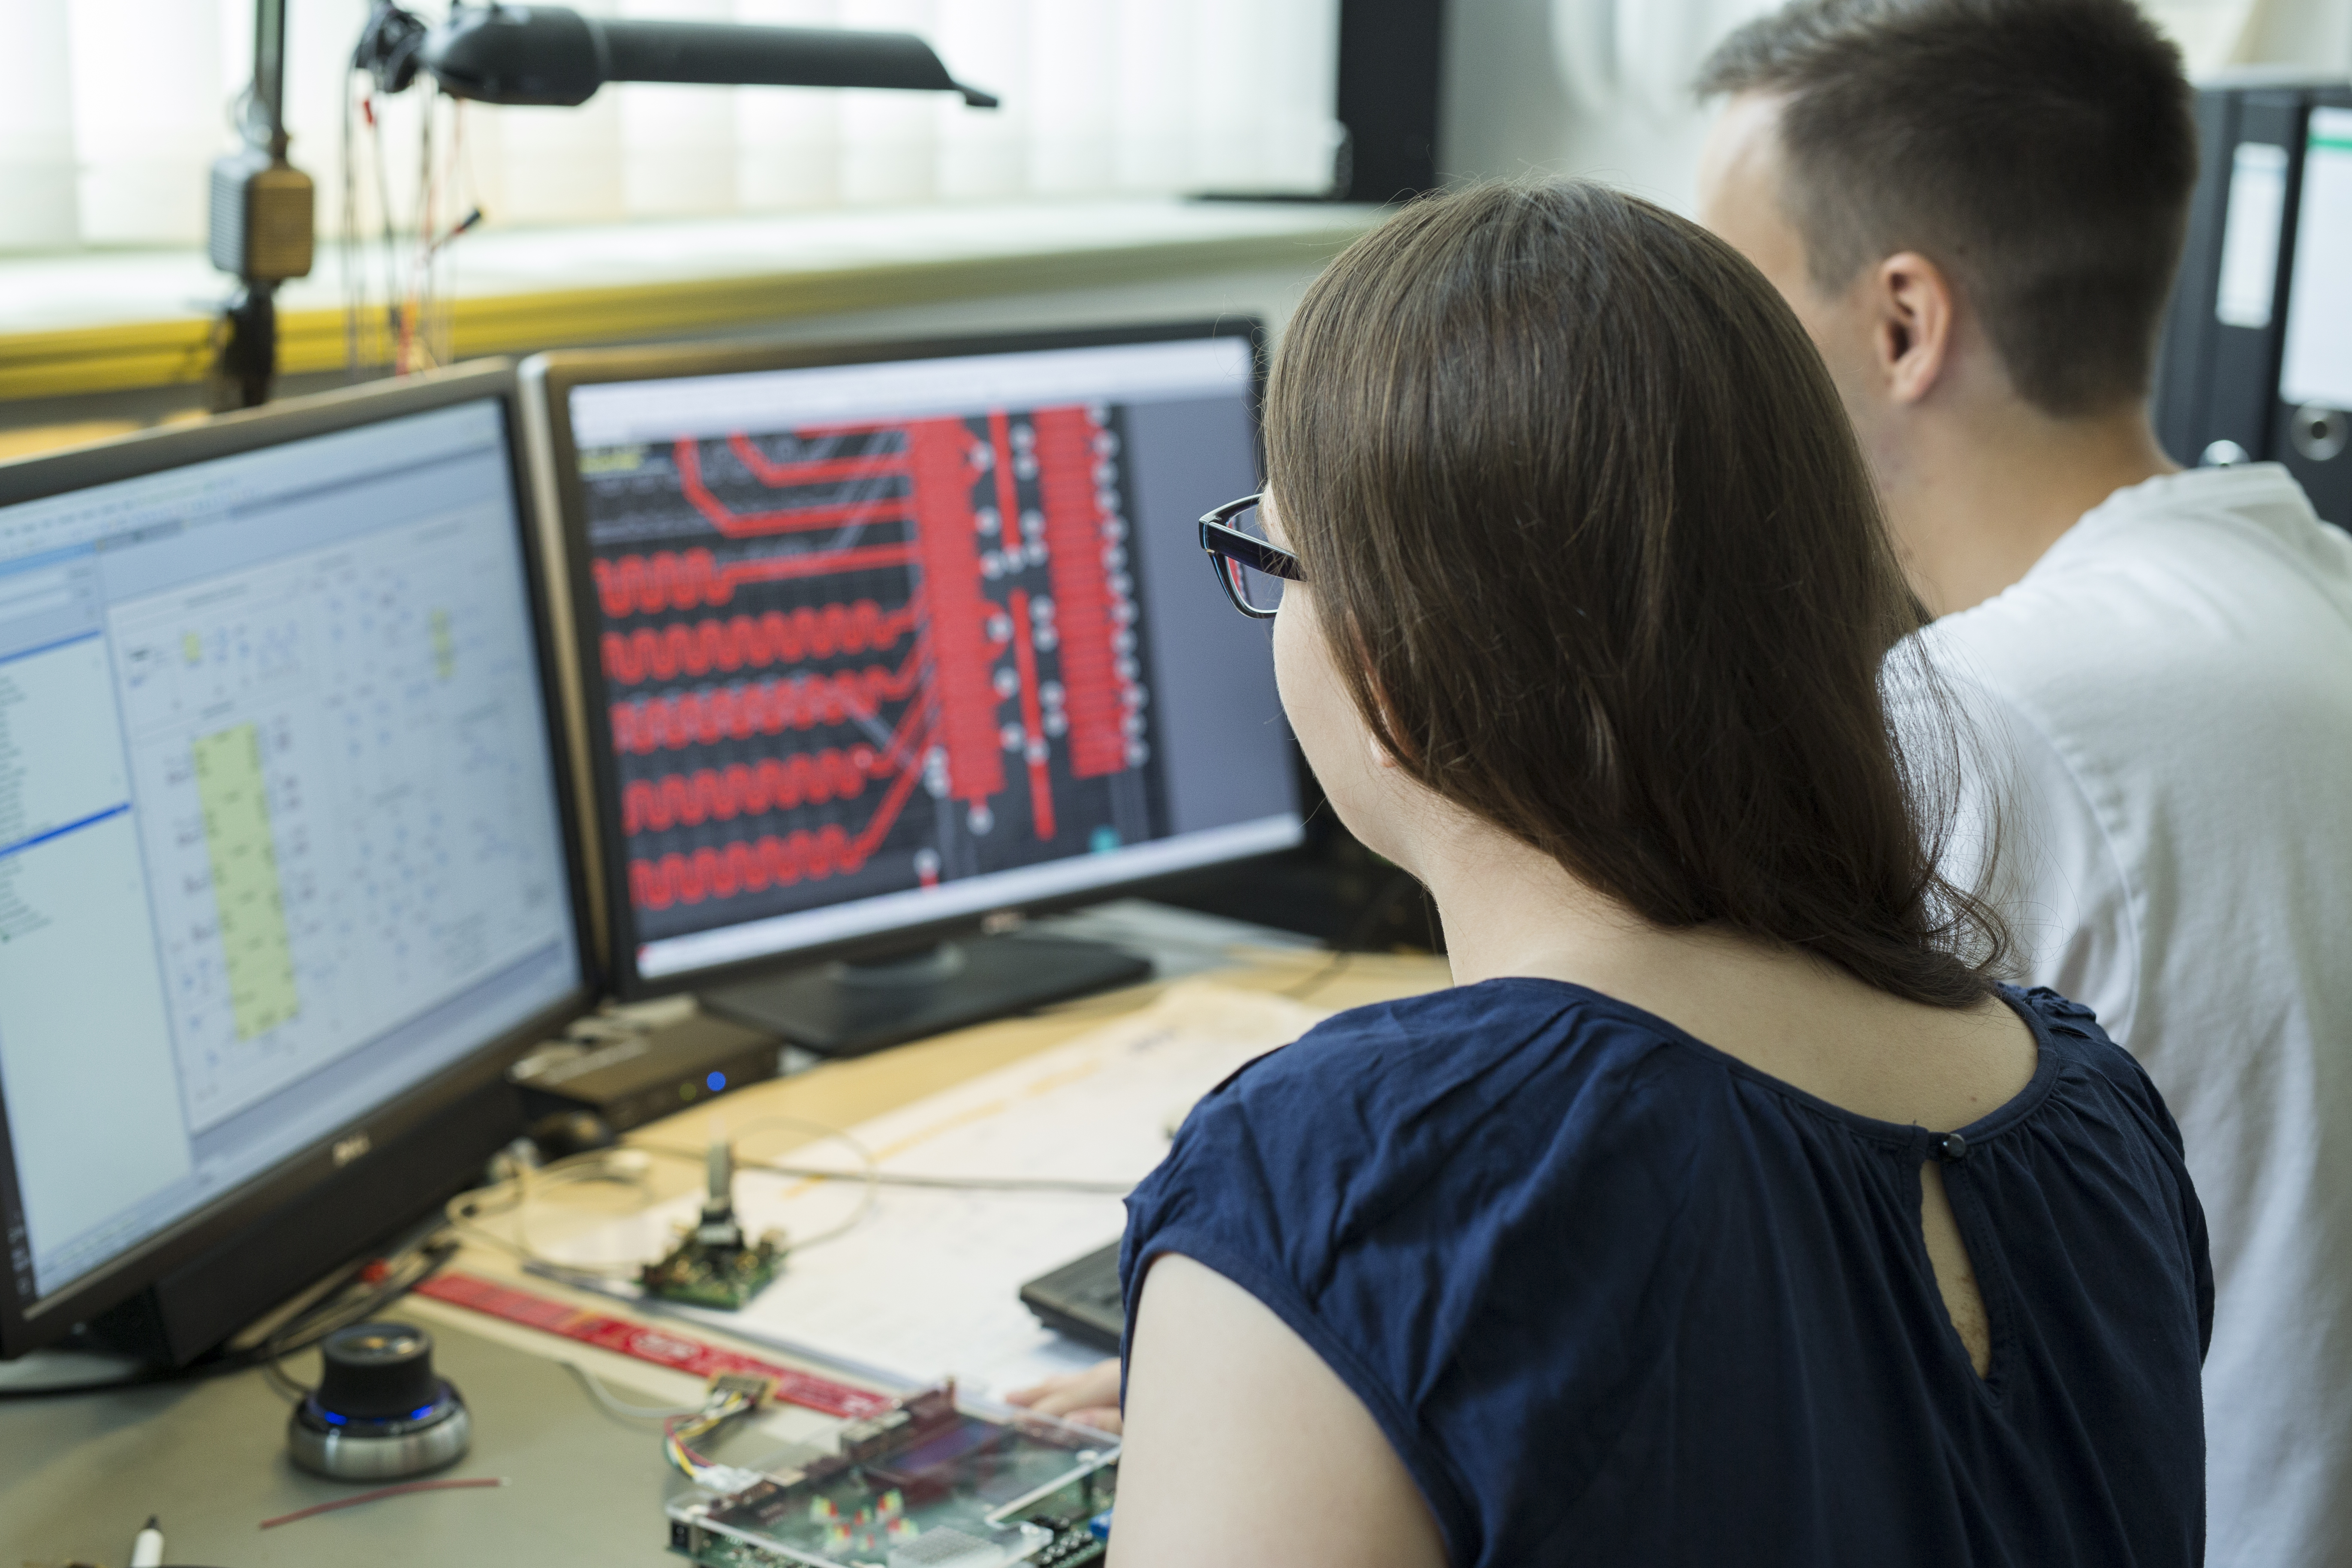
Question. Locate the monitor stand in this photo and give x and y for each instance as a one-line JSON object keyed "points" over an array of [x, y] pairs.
{"points": [[848, 1009]]}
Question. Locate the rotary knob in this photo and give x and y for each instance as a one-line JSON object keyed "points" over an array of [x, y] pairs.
{"points": [[378, 1371], [380, 1410]]}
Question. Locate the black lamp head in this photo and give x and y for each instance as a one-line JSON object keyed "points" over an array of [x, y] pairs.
{"points": [[548, 55], [388, 46]]}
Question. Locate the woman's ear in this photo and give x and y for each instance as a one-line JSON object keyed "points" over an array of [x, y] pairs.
{"points": [[1383, 756]]}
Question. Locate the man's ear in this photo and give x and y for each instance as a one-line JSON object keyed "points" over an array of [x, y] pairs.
{"points": [[1914, 315]]}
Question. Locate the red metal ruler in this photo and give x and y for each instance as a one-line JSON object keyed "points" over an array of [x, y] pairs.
{"points": [[644, 1342]]}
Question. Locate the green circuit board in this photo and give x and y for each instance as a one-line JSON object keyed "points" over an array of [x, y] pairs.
{"points": [[704, 1274], [929, 1484]]}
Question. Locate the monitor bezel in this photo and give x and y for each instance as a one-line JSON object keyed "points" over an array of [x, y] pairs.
{"points": [[29, 1323], [548, 381]]}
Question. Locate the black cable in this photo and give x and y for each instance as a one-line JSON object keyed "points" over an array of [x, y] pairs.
{"points": [[304, 1331], [61, 1390], [308, 1330], [1366, 922]]}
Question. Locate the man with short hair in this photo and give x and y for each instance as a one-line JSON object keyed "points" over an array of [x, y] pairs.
{"points": [[1976, 207]]}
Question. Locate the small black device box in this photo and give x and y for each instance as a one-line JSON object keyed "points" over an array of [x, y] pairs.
{"points": [[630, 1079], [1082, 1299]]}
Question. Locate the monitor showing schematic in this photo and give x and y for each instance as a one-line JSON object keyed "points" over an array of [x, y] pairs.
{"points": [[885, 643], [278, 831]]}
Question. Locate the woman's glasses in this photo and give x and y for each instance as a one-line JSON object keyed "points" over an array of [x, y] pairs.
{"points": [[1251, 569]]}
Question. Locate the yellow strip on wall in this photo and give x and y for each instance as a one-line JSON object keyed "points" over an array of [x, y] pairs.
{"points": [[157, 353]]}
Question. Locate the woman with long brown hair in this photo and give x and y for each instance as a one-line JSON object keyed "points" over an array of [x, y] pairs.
{"points": [[1726, 1210]]}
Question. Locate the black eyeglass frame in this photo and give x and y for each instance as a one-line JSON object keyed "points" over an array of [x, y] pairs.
{"points": [[1229, 550]]}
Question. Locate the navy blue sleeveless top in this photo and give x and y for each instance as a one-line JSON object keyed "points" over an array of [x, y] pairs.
{"points": [[1616, 1297]]}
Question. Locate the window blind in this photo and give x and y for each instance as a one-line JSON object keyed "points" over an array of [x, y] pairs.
{"points": [[111, 110]]}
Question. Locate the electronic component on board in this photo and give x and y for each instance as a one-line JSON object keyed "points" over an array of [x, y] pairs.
{"points": [[932, 1480], [717, 1265]]}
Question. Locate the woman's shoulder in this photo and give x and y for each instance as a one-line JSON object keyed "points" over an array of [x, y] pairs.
{"points": [[1496, 1040], [2089, 1059], [1547, 1082], [1373, 1110]]}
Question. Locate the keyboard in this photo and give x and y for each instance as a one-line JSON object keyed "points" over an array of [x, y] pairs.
{"points": [[1082, 1299]]}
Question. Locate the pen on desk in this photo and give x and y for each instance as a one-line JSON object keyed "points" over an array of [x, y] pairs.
{"points": [[147, 1546]]}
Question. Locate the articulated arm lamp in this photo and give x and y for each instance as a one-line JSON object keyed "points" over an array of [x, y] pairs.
{"points": [[548, 55], [496, 53]]}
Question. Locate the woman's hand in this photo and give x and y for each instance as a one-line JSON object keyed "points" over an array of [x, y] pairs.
{"points": [[1090, 1397]]}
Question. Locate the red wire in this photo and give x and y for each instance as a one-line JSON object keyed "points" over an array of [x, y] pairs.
{"points": [[380, 1493]]}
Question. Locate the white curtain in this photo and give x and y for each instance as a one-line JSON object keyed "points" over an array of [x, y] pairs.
{"points": [[111, 110]]}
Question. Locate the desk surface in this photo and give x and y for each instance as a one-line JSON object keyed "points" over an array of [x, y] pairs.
{"points": [[77, 1476]]}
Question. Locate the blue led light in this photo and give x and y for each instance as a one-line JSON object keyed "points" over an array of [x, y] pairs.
{"points": [[716, 1082], [420, 1414], [332, 1419]]}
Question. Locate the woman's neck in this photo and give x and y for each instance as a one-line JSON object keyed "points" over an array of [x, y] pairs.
{"points": [[1510, 910]]}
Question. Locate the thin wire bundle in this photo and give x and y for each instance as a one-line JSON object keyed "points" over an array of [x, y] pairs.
{"points": [[416, 329], [871, 1172], [680, 1432], [514, 1196]]}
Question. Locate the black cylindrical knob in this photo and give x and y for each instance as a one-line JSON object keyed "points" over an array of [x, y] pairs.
{"points": [[377, 1372]]}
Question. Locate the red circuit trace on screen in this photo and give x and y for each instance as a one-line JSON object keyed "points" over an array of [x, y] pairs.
{"points": [[949, 678]]}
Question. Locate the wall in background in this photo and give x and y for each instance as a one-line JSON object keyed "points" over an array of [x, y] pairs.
{"points": [[1597, 87]]}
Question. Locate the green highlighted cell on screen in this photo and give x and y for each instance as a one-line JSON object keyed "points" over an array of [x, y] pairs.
{"points": [[252, 908]]}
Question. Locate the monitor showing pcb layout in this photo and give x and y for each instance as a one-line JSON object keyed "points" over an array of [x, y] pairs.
{"points": [[878, 643], [279, 837]]}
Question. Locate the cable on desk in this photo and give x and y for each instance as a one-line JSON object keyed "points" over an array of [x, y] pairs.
{"points": [[954, 1183], [445, 1484], [99, 1385], [1330, 969], [680, 1432], [873, 1175], [514, 1196], [869, 1170], [387, 1280], [1397, 886], [605, 1397]]}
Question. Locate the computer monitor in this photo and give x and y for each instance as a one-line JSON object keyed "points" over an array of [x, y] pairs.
{"points": [[877, 640], [283, 880]]}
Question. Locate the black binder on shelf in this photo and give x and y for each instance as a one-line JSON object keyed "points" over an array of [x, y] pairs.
{"points": [[2217, 396], [2311, 410], [2184, 364]]}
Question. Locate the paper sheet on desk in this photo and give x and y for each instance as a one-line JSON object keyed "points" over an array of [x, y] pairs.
{"points": [[928, 1283]]}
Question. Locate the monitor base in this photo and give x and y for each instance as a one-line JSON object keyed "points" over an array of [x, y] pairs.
{"points": [[849, 1009]]}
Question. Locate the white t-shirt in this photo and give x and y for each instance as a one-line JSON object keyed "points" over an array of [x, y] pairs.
{"points": [[2165, 702]]}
